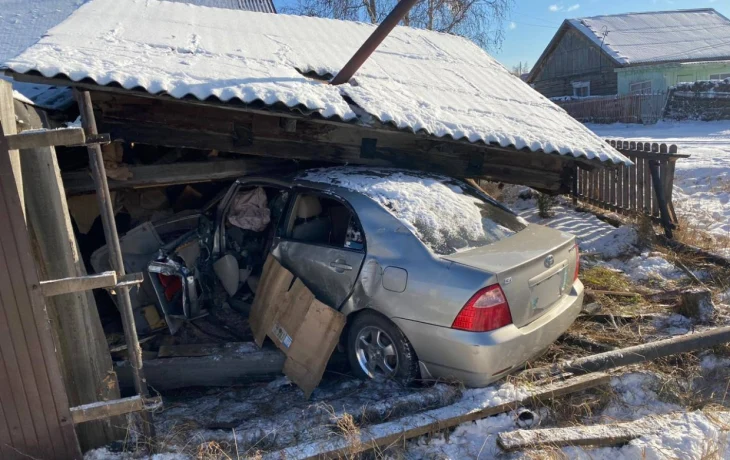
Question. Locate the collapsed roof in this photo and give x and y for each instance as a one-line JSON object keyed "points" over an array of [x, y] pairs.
{"points": [[417, 80]]}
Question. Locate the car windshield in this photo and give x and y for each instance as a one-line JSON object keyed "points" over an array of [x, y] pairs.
{"points": [[442, 212]]}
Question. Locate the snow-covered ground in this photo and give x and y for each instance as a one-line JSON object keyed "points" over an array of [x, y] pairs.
{"points": [[702, 181]]}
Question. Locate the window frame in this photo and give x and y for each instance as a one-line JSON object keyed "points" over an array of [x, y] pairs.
{"points": [[290, 218], [580, 85], [642, 89], [720, 76]]}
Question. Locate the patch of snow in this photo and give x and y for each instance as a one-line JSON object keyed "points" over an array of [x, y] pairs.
{"points": [[435, 208], [648, 266], [702, 181], [417, 80], [593, 234], [674, 324], [711, 362], [690, 436], [636, 397]]}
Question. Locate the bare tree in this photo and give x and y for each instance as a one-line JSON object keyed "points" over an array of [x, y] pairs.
{"points": [[482, 21], [520, 68]]}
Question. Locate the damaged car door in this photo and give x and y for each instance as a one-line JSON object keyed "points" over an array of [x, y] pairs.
{"points": [[323, 244]]}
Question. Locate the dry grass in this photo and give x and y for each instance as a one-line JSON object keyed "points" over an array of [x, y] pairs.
{"points": [[605, 279], [698, 236]]}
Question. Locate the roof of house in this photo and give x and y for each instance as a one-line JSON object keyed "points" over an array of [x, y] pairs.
{"points": [[417, 80], [661, 36]]}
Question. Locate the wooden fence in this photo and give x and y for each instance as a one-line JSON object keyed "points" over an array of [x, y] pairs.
{"points": [[647, 109], [644, 188]]}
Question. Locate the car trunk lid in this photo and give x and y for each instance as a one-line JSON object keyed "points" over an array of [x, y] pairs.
{"points": [[534, 267]]}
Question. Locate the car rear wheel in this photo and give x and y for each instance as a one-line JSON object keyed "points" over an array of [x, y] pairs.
{"points": [[377, 349]]}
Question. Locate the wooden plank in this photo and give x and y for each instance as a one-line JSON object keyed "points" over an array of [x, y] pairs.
{"points": [[106, 409], [648, 186], [236, 364], [397, 431], [9, 127], [46, 138], [620, 187], [44, 417], [191, 350], [625, 189], [78, 284], [640, 185], [175, 173], [632, 184], [648, 351], [596, 435]]}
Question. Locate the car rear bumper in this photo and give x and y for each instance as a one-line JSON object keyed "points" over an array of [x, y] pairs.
{"points": [[479, 358]]}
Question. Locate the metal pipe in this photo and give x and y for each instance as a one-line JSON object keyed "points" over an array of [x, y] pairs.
{"points": [[106, 209], [373, 41]]}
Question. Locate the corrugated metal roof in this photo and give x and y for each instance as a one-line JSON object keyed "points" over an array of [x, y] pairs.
{"points": [[417, 80], [262, 6], [662, 36]]}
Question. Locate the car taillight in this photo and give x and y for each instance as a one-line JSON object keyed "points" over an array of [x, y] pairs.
{"points": [[577, 263], [486, 311]]}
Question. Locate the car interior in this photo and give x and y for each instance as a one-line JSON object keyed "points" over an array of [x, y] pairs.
{"points": [[324, 221]]}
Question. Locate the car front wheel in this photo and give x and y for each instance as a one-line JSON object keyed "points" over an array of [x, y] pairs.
{"points": [[377, 349]]}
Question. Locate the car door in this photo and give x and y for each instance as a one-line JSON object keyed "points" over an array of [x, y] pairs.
{"points": [[325, 249]]}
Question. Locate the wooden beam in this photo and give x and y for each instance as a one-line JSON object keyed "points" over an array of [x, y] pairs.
{"points": [[594, 435], [105, 409], [231, 364], [78, 284], [176, 173], [47, 138], [391, 433]]}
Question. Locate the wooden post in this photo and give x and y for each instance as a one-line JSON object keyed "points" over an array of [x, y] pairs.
{"points": [[96, 161], [9, 128], [86, 365], [660, 198]]}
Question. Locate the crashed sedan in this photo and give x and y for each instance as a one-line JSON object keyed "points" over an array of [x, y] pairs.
{"points": [[437, 279]]}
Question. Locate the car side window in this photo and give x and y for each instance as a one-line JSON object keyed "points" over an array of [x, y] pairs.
{"points": [[325, 221]]}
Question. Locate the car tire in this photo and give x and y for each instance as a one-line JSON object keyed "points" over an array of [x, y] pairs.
{"points": [[370, 333]]}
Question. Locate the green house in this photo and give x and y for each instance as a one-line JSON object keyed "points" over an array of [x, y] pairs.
{"points": [[633, 53], [658, 78]]}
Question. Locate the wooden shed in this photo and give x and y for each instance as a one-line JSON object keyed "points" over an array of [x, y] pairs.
{"points": [[191, 95]]}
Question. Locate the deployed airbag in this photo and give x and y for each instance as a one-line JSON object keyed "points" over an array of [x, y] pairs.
{"points": [[249, 210]]}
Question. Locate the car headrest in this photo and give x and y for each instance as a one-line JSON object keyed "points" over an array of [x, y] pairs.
{"points": [[309, 206]]}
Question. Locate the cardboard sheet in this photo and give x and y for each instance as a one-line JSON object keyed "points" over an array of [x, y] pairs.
{"points": [[305, 329]]}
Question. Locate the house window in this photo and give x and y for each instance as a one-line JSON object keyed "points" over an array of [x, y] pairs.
{"points": [[581, 88], [685, 79], [641, 87], [719, 76]]}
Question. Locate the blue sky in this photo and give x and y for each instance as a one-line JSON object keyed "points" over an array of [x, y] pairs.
{"points": [[534, 22]]}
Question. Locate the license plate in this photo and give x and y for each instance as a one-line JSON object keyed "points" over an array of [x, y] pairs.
{"points": [[548, 291]]}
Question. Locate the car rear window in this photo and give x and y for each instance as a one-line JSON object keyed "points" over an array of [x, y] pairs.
{"points": [[442, 212]]}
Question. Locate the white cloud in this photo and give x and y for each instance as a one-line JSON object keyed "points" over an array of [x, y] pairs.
{"points": [[573, 7], [555, 8], [512, 26]]}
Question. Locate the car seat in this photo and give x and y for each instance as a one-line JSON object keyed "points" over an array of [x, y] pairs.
{"points": [[314, 227]]}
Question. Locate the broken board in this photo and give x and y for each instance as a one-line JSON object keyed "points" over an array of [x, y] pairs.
{"points": [[305, 329]]}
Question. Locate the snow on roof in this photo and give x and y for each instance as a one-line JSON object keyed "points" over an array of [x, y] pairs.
{"points": [[417, 80], [662, 36], [263, 6]]}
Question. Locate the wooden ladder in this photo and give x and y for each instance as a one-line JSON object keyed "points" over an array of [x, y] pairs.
{"points": [[118, 281]]}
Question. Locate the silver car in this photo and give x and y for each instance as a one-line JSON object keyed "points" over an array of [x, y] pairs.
{"points": [[437, 279]]}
